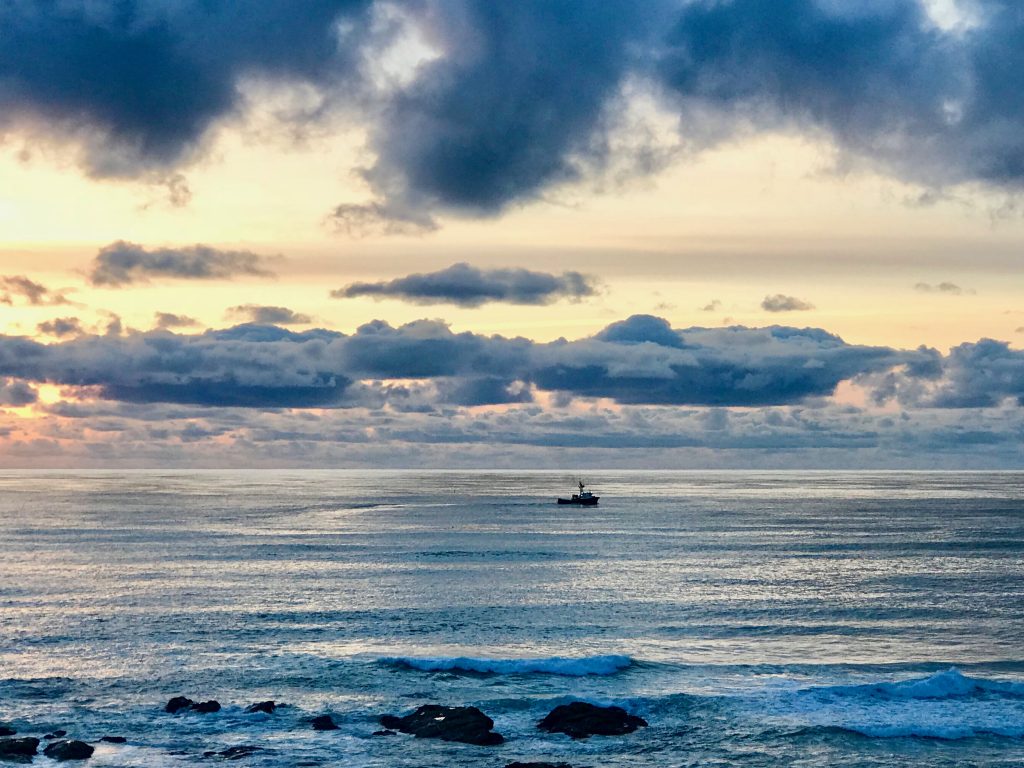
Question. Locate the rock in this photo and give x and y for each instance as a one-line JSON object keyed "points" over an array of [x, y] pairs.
{"points": [[115, 739], [18, 747], [538, 765], [264, 706], [580, 720], [235, 753], [55, 735], [206, 707], [178, 703], [464, 724], [68, 750], [324, 723], [6, 730], [384, 733]]}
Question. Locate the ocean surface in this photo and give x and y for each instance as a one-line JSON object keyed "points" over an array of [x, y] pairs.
{"points": [[753, 619]]}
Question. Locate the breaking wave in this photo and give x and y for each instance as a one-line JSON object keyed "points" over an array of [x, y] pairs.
{"points": [[947, 705], [553, 665]]}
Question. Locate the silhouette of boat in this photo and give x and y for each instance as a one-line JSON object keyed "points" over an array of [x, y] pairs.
{"points": [[583, 498]]}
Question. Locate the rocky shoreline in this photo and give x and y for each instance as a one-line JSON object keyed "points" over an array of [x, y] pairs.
{"points": [[466, 725]]}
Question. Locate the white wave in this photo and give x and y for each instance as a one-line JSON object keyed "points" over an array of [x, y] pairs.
{"points": [[947, 705], [943, 685], [552, 665]]}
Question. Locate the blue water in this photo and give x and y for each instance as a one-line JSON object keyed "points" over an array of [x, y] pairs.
{"points": [[754, 619]]}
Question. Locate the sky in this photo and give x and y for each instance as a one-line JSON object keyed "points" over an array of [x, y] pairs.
{"points": [[701, 234]]}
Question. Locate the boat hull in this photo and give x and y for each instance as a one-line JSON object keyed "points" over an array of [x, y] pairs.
{"points": [[591, 502]]}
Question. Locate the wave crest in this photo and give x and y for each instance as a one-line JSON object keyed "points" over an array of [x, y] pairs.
{"points": [[552, 665], [946, 705], [951, 684]]}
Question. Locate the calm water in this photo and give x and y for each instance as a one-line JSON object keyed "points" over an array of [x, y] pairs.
{"points": [[754, 619]]}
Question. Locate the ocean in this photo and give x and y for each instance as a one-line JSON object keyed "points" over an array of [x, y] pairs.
{"points": [[752, 618]]}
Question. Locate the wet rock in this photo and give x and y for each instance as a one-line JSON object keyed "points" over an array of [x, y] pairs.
{"points": [[384, 733], [6, 730], [114, 739], [68, 750], [464, 724], [324, 723], [206, 707], [178, 703], [267, 707], [55, 735], [18, 748], [235, 753], [580, 720]]}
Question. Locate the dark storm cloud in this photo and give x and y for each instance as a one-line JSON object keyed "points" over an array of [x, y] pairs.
{"points": [[470, 286], [169, 320], [782, 303], [522, 95], [122, 263], [641, 360], [520, 99], [513, 106], [139, 82], [264, 315], [36, 294]]}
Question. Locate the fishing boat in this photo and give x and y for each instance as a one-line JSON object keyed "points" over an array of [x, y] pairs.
{"points": [[583, 498]]}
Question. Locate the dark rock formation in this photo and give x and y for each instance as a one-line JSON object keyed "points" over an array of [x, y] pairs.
{"points": [[432, 721], [60, 734], [384, 733], [235, 753], [115, 739], [178, 703], [18, 748], [264, 706], [6, 730], [68, 750], [324, 723], [580, 720]]}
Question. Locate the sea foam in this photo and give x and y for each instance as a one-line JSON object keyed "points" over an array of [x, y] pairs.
{"points": [[947, 705], [552, 665], [950, 684]]}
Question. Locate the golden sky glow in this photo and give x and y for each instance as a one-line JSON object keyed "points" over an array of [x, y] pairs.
{"points": [[648, 223], [763, 216]]}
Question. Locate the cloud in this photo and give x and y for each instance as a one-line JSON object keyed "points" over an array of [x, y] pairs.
{"points": [[951, 289], [34, 293], [782, 303], [123, 263], [469, 286], [712, 306], [264, 315], [513, 105], [517, 98], [61, 327], [641, 360], [169, 320], [983, 374], [15, 394], [139, 84], [105, 433]]}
